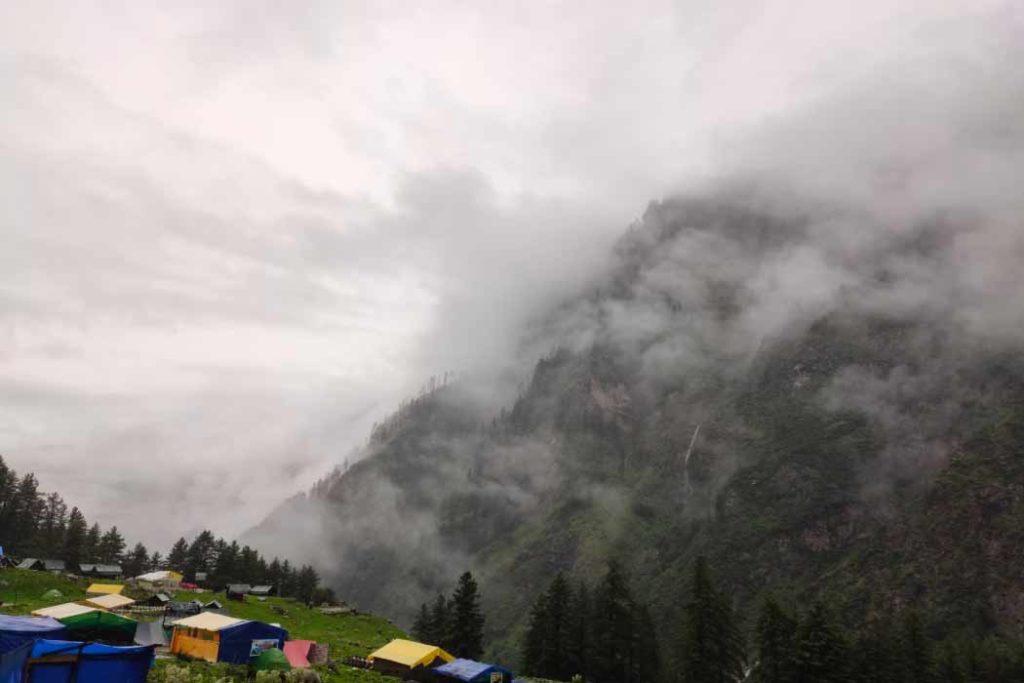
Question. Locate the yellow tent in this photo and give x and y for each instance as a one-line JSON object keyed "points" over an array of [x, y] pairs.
{"points": [[407, 654], [105, 589], [197, 636], [110, 601]]}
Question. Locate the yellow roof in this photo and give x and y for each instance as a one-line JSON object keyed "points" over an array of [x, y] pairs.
{"points": [[105, 589], [68, 609], [207, 621], [409, 653], [108, 601]]}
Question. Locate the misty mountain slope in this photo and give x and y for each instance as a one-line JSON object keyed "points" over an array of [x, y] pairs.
{"points": [[820, 410]]}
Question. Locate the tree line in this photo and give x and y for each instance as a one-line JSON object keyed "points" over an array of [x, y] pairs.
{"points": [[600, 634], [38, 524], [456, 623], [605, 637]]}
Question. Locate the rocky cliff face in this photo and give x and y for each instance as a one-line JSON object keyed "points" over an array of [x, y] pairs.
{"points": [[816, 410]]}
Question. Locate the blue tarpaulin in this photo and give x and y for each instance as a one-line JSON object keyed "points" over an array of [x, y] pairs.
{"points": [[236, 641], [17, 630], [61, 661], [13, 661], [473, 672]]}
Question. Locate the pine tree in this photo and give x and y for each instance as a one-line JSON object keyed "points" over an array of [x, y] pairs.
{"points": [[711, 648], [52, 526], [155, 562], [776, 640], [648, 658], [579, 637], [421, 626], [91, 546], [821, 653], [8, 491], [917, 656], [111, 546], [467, 619], [306, 582], [27, 508], [441, 623], [135, 561], [877, 655], [178, 556], [536, 634], [75, 538], [614, 630]]}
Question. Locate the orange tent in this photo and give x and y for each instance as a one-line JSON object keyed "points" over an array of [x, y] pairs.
{"points": [[297, 652]]}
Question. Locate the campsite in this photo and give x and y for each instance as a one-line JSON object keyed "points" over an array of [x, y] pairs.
{"points": [[348, 636]]}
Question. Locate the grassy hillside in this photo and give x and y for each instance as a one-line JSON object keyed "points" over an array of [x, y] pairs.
{"points": [[347, 634]]}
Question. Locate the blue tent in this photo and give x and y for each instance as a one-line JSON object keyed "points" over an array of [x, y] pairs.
{"points": [[12, 663], [61, 661], [237, 642], [17, 630], [468, 671]]}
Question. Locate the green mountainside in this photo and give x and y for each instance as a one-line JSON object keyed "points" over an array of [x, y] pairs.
{"points": [[857, 442]]}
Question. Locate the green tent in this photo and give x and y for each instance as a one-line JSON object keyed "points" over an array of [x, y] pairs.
{"points": [[52, 594], [271, 660], [105, 627]]}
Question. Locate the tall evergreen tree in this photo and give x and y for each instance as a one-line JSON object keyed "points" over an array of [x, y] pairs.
{"points": [[776, 640], [111, 546], [579, 636], [648, 658], [711, 648], [614, 630], [8, 506], [421, 626], [306, 582], [178, 556], [27, 508], [918, 663], [467, 619], [156, 561], [91, 546], [135, 561], [75, 538], [533, 644], [52, 525], [821, 652], [441, 622]]}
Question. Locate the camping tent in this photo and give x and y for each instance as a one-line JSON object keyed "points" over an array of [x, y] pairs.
{"points": [[150, 633], [109, 601], [271, 659], [67, 609], [399, 657], [219, 638], [260, 590], [468, 671], [297, 652], [105, 589], [52, 594], [102, 626], [17, 630], [164, 578], [59, 661]]}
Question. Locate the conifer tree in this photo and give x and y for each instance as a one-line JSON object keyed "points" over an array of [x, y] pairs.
{"points": [[135, 560], [711, 648], [918, 666], [441, 622], [533, 643], [75, 538], [91, 547], [52, 526], [821, 653], [614, 630], [178, 556], [27, 508], [155, 562], [306, 582], [776, 640], [579, 636], [421, 626], [467, 619], [111, 546]]}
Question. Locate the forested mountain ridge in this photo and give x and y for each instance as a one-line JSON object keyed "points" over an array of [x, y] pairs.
{"points": [[818, 415]]}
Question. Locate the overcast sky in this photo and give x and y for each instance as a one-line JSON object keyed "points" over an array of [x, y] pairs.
{"points": [[233, 234]]}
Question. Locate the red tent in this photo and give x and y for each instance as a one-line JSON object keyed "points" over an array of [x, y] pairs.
{"points": [[297, 652]]}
